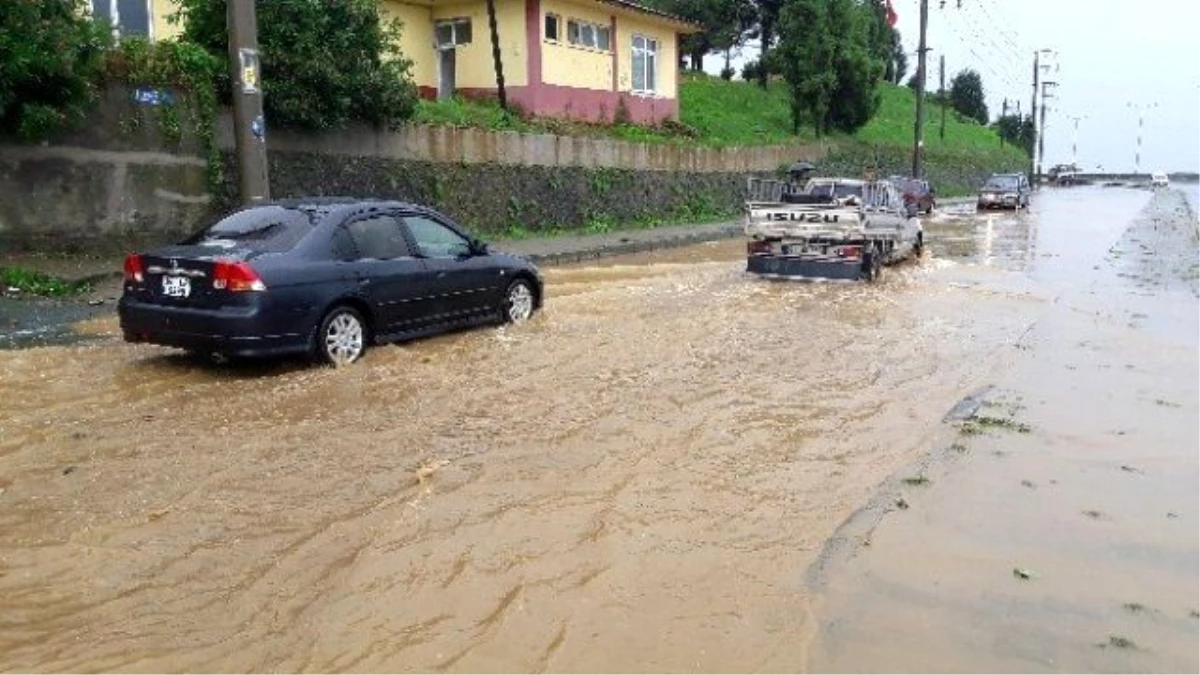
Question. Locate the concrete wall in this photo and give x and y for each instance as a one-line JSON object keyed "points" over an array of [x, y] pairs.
{"points": [[109, 186], [477, 146]]}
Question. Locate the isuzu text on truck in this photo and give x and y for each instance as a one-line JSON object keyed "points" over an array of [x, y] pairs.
{"points": [[829, 228]]}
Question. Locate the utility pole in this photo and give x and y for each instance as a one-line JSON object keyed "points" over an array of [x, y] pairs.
{"points": [[1075, 138], [1035, 165], [1042, 137], [942, 93], [919, 128], [1003, 116], [1141, 108], [1033, 169], [496, 60], [249, 126]]}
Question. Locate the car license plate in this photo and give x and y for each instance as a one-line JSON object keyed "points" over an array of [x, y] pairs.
{"points": [[176, 287]]}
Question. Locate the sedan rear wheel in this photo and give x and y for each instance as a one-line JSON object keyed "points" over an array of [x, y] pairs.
{"points": [[518, 301], [341, 339]]}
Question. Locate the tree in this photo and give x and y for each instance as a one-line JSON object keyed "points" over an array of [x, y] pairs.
{"points": [[767, 15], [858, 65], [324, 64], [1017, 130], [825, 54], [806, 54], [51, 58], [966, 96]]}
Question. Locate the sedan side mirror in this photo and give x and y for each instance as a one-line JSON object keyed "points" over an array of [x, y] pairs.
{"points": [[479, 247]]}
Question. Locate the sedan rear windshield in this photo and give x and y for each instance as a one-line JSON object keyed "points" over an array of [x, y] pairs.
{"points": [[1001, 184], [265, 229]]}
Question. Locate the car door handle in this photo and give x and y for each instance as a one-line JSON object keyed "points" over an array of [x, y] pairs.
{"points": [[441, 275], [363, 281]]}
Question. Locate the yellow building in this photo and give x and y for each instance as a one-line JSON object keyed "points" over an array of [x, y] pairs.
{"points": [[148, 18], [582, 59]]}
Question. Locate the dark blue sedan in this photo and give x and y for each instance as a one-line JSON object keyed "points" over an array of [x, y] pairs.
{"points": [[323, 277]]}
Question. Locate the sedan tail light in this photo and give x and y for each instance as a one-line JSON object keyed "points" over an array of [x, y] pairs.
{"points": [[237, 277], [133, 268], [849, 252]]}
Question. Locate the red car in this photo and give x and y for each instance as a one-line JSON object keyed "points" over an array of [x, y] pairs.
{"points": [[916, 192]]}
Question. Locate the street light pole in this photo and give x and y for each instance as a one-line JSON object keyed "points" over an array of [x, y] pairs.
{"points": [[249, 126]]}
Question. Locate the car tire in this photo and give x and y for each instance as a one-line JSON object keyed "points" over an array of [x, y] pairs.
{"points": [[518, 302], [919, 246], [341, 336]]}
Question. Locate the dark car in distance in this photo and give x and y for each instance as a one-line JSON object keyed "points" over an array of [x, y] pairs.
{"points": [[1005, 191], [326, 277], [917, 193]]}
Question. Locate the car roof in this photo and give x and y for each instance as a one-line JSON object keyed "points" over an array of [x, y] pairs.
{"points": [[338, 205]]}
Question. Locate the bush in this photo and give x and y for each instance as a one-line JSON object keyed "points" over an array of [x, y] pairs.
{"points": [[324, 64], [51, 58]]}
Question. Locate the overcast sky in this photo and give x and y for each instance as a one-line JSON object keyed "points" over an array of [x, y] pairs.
{"points": [[1107, 55]]}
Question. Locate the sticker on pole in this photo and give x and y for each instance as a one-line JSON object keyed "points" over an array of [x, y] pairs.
{"points": [[248, 62]]}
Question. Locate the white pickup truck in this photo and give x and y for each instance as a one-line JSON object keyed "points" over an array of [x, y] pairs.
{"points": [[831, 228]]}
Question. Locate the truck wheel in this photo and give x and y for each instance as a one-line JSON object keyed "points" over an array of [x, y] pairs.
{"points": [[872, 267]]}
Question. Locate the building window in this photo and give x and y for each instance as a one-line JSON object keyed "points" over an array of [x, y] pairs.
{"points": [[645, 64], [453, 33], [589, 35], [130, 17], [553, 27]]}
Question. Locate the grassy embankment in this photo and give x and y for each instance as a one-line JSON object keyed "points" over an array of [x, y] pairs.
{"points": [[716, 113]]}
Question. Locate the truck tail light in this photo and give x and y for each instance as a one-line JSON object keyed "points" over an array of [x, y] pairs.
{"points": [[756, 246]]}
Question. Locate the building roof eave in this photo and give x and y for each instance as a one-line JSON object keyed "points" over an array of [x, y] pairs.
{"points": [[680, 25]]}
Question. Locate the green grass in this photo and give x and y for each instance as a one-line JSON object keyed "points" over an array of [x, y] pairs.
{"points": [[737, 113], [39, 283], [720, 113]]}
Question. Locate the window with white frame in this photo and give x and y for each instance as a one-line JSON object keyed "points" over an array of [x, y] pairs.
{"points": [[553, 27], [645, 64], [452, 33], [589, 35], [129, 17]]}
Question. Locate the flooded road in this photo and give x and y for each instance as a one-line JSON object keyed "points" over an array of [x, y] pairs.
{"points": [[640, 479]]}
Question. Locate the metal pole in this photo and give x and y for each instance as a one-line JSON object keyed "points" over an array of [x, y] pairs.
{"points": [[249, 127], [919, 127]]}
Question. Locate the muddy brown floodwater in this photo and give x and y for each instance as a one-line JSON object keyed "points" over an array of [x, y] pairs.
{"points": [[640, 479]]}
